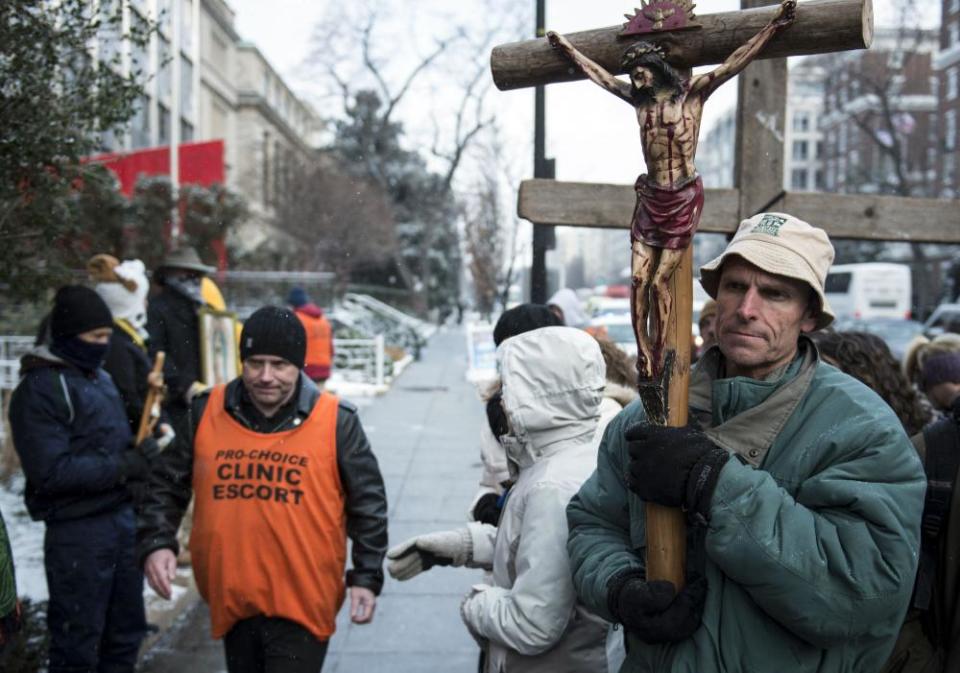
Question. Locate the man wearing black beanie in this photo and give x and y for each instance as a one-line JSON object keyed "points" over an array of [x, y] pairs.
{"points": [[282, 475], [71, 432]]}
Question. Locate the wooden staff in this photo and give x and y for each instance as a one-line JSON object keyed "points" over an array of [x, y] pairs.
{"points": [[151, 407], [666, 547]]}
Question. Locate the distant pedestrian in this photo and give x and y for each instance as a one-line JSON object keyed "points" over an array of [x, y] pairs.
{"points": [[282, 474], [707, 324], [566, 305], [319, 362], [529, 619], [74, 441]]}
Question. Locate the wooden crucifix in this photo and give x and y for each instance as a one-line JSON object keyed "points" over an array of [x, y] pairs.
{"points": [[664, 362]]}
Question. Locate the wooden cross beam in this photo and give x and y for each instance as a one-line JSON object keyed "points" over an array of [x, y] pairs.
{"points": [[856, 216], [821, 26]]}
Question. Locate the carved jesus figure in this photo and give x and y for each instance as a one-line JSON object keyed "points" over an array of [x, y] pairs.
{"points": [[670, 194]]}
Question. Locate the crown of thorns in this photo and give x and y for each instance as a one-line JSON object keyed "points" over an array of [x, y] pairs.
{"points": [[639, 50]]}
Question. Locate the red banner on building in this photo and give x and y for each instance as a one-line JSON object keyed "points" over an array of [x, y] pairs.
{"points": [[200, 164]]}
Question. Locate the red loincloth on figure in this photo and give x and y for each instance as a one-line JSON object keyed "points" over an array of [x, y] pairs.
{"points": [[666, 217]]}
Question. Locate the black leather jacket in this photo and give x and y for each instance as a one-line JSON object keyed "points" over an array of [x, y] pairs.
{"points": [[169, 489]]}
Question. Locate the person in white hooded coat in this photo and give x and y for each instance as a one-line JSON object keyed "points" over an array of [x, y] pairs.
{"points": [[529, 619]]}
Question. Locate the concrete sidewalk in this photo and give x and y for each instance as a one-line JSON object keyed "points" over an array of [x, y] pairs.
{"points": [[425, 435]]}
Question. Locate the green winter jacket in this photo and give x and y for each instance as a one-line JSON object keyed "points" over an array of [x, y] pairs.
{"points": [[811, 547]]}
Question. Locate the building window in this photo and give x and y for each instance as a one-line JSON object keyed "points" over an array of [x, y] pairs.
{"points": [[164, 15], [164, 118], [186, 87], [139, 62], [186, 131], [952, 83], [166, 69], [801, 121], [818, 179], [798, 179], [108, 32], [218, 51], [186, 25], [949, 166], [949, 130], [218, 121], [799, 150], [265, 169], [140, 125], [953, 34]]}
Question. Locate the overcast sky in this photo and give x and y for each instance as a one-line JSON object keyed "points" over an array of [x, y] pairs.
{"points": [[592, 135]]}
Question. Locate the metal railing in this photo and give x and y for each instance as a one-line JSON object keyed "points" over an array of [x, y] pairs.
{"points": [[15, 347], [361, 360]]}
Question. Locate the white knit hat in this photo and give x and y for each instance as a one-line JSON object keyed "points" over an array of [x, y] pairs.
{"points": [[127, 295], [783, 245]]}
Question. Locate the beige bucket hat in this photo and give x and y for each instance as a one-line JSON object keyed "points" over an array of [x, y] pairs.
{"points": [[783, 245]]}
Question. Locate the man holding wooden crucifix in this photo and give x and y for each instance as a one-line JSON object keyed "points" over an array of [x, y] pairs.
{"points": [[670, 195], [802, 492]]}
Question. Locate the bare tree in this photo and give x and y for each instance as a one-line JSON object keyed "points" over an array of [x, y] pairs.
{"points": [[491, 230], [339, 221], [449, 77]]}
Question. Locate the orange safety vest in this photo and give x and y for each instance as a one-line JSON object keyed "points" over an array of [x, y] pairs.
{"points": [[269, 528], [319, 340]]}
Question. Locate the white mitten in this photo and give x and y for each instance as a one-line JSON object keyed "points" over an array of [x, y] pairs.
{"points": [[446, 548]]}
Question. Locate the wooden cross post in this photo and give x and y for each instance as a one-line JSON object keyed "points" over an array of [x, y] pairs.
{"points": [[820, 26]]}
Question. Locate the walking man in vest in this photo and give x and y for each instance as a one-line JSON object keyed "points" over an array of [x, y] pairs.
{"points": [[282, 474], [319, 336]]}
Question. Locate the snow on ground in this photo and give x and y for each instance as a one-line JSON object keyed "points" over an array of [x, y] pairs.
{"points": [[26, 541]]}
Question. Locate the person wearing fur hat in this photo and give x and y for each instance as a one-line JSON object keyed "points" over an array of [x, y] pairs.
{"points": [[123, 286], [282, 474], [71, 433], [800, 487]]}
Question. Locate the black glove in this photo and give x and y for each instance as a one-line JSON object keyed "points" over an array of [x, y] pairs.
{"points": [[654, 611], [135, 462], [676, 467], [487, 509]]}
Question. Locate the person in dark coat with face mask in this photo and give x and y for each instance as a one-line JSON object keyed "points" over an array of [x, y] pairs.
{"points": [[71, 433], [174, 328]]}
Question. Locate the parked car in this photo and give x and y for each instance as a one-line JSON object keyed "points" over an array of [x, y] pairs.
{"points": [[897, 333], [869, 290], [603, 306], [945, 318]]}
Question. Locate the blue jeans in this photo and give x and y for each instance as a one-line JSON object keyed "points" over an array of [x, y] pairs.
{"points": [[95, 616]]}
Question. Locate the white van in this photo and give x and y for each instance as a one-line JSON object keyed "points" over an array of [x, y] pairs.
{"points": [[869, 290]]}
